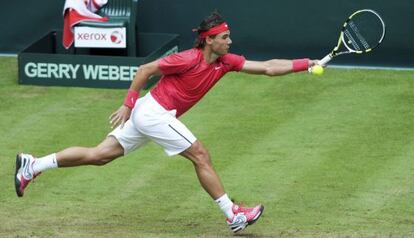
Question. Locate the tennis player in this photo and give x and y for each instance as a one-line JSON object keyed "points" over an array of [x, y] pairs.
{"points": [[186, 77]]}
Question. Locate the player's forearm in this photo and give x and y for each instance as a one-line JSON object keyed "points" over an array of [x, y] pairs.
{"points": [[141, 78], [142, 75], [281, 66], [277, 67]]}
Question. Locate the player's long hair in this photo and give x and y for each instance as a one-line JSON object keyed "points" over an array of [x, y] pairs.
{"points": [[213, 20]]}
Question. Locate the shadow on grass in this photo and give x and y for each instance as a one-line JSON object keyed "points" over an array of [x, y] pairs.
{"points": [[251, 235]]}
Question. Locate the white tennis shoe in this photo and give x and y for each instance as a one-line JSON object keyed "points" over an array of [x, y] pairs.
{"points": [[244, 216], [24, 172]]}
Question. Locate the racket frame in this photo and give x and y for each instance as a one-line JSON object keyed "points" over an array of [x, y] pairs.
{"points": [[341, 40]]}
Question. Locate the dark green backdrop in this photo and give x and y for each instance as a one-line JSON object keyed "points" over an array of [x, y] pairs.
{"points": [[261, 29]]}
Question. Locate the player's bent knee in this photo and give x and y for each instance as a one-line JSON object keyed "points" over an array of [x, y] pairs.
{"points": [[198, 154], [105, 152], [202, 157]]}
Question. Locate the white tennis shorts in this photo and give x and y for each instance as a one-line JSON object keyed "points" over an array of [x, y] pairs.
{"points": [[149, 121]]}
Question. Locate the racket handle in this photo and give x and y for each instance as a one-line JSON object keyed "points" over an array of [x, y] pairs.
{"points": [[325, 60]]}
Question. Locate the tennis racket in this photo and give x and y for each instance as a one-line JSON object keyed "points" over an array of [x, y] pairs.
{"points": [[362, 32]]}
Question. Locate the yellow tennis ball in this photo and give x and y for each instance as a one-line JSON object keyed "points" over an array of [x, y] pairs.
{"points": [[317, 70]]}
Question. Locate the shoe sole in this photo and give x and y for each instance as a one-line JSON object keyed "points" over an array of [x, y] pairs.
{"points": [[16, 181]]}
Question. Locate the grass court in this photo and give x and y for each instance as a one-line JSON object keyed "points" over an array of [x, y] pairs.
{"points": [[329, 156]]}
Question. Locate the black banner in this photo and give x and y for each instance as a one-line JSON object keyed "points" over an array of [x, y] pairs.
{"points": [[39, 65]]}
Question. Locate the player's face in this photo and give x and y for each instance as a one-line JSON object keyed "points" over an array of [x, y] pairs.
{"points": [[221, 43]]}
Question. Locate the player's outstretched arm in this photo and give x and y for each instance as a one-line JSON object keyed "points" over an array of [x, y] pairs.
{"points": [[142, 75], [276, 67]]}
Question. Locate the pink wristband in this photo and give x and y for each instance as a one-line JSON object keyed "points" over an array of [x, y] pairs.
{"points": [[131, 98], [300, 65]]}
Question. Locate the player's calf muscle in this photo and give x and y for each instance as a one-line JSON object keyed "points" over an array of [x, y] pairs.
{"points": [[76, 156]]}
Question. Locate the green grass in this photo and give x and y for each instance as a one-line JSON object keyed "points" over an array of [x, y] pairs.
{"points": [[328, 157]]}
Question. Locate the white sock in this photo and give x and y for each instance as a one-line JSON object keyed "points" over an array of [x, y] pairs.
{"points": [[45, 163], [226, 206]]}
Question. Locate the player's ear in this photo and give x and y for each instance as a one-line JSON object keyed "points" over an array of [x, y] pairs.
{"points": [[209, 40]]}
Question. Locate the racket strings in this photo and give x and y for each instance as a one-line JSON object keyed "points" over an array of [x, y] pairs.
{"points": [[356, 32], [363, 31], [354, 37], [351, 40]]}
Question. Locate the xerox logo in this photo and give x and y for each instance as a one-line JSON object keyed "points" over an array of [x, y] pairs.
{"points": [[116, 37], [92, 37]]}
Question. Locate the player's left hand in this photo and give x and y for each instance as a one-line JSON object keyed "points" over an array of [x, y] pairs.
{"points": [[120, 116]]}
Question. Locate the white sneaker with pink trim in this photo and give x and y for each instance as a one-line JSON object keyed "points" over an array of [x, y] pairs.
{"points": [[244, 216], [24, 172]]}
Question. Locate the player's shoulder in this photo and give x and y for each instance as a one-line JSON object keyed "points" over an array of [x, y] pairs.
{"points": [[180, 62], [233, 62], [230, 57], [192, 55]]}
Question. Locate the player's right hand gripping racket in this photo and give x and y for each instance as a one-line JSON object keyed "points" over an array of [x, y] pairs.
{"points": [[362, 32]]}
